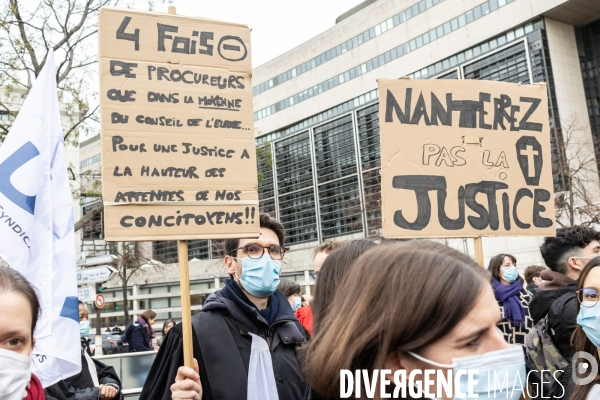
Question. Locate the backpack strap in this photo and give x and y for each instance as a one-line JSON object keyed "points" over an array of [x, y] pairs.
{"points": [[225, 367]]}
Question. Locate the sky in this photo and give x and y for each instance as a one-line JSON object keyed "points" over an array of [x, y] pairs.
{"points": [[277, 25]]}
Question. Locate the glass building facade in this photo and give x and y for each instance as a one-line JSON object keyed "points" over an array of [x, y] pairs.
{"points": [[588, 43], [321, 176]]}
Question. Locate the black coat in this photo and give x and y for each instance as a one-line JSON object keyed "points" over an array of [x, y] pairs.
{"points": [[138, 340], [81, 386], [560, 306], [222, 345]]}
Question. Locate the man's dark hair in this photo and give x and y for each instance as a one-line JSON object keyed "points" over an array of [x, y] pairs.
{"points": [[289, 287], [568, 243], [533, 271], [266, 221]]}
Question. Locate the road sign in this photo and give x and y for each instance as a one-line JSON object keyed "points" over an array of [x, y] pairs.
{"points": [[85, 294], [86, 262], [95, 274], [100, 301]]}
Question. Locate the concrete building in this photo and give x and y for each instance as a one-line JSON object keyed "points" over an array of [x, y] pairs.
{"points": [[317, 125]]}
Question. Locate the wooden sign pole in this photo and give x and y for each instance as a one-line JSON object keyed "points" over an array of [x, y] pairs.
{"points": [[186, 307], [478, 250], [184, 279]]}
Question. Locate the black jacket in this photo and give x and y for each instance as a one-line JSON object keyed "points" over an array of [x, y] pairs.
{"points": [[81, 386], [532, 288], [222, 344], [561, 308], [138, 340]]}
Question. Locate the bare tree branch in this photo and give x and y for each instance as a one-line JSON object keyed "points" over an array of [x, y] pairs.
{"points": [[15, 10], [89, 216], [575, 205]]}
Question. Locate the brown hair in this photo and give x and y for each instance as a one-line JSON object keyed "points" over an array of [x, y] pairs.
{"points": [[328, 247], [404, 297], [265, 221], [334, 269], [496, 262], [533, 271], [288, 287], [13, 281], [148, 315], [580, 340]]}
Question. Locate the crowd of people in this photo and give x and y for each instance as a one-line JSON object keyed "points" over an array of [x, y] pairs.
{"points": [[377, 305]]}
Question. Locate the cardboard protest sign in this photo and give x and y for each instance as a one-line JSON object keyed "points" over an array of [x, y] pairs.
{"points": [[465, 158], [178, 150]]}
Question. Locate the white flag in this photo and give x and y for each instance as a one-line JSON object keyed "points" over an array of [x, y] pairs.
{"points": [[36, 225]]}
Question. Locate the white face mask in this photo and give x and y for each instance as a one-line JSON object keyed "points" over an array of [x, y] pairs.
{"points": [[506, 364], [14, 380]]}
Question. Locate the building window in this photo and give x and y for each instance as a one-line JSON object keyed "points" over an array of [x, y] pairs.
{"points": [[449, 75], [588, 41], [165, 251], [217, 248], [508, 65], [266, 190], [89, 161], [339, 197], [298, 216], [94, 228], [7, 117], [339, 204], [295, 188], [370, 158]]}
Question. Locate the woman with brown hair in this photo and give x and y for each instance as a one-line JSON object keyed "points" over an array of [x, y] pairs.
{"points": [[19, 312], [513, 299], [414, 306], [586, 337], [334, 269], [140, 336]]}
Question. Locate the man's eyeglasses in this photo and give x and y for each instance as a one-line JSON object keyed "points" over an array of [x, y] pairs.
{"points": [[257, 251], [588, 297], [314, 275]]}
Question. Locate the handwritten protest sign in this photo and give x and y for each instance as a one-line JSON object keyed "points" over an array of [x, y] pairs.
{"points": [[178, 152], [465, 158]]}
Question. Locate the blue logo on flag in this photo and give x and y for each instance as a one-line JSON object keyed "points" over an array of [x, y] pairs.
{"points": [[70, 308], [8, 167]]}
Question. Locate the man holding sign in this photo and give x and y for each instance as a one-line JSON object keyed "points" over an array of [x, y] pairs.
{"points": [[246, 336], [179, 162]]}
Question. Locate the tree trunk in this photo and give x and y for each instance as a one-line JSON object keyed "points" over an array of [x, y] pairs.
{"points": [[571, 201], [125, 294]]}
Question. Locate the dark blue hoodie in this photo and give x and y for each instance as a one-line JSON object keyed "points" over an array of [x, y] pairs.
{"points": [[244, 311]]}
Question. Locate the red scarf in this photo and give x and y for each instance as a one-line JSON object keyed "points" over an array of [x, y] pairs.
{"points": [[35, 391]]}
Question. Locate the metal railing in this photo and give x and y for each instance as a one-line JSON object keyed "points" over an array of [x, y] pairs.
{"points": [[132, 368]]}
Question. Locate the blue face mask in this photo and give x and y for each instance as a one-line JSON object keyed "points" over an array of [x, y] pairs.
{"points": [[84, 328], [297, 303], [589, 319], [508, 363], [260, 276], [510, 274]]}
